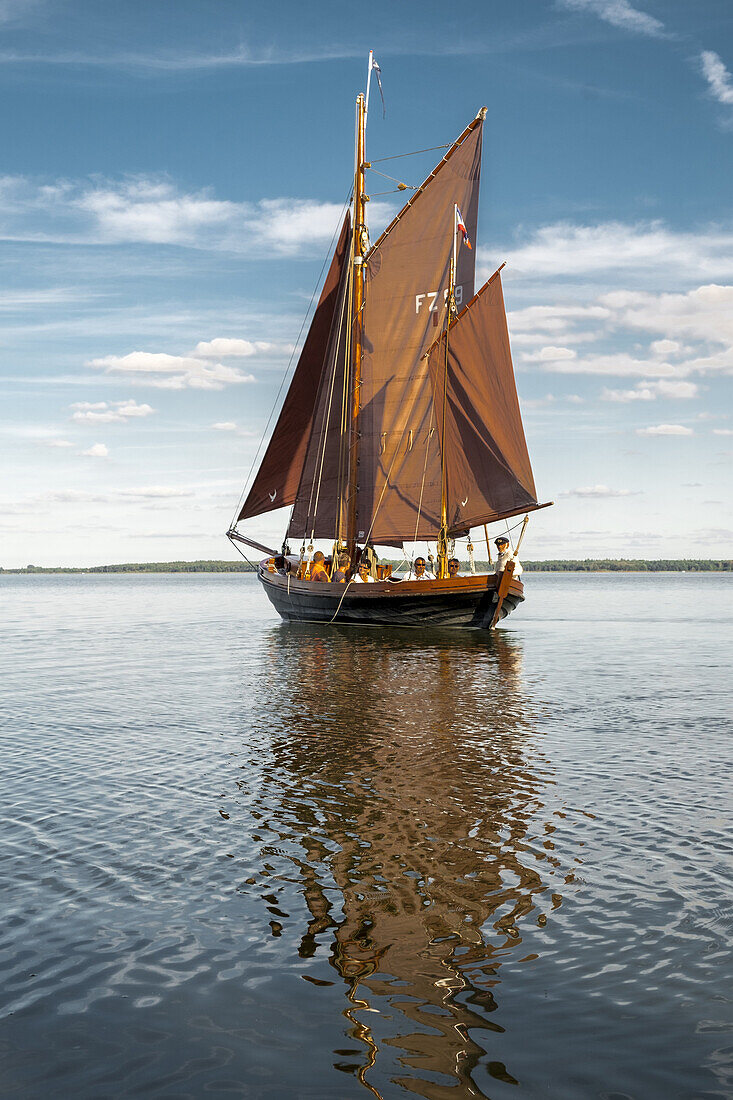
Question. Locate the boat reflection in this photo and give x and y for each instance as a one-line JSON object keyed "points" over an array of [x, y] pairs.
{"points": [[411, 772]]}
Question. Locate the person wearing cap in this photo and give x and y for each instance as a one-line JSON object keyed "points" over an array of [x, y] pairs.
{"points": [[453, 566], [363, 576], [418, 572], [504, 554]]}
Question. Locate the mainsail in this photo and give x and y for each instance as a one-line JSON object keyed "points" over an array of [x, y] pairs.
{"points": [[407, 274]]}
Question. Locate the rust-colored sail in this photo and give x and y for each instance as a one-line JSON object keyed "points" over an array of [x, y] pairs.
{"points": [[488, 472], [321, 490], [407, 274], [277, 480]]}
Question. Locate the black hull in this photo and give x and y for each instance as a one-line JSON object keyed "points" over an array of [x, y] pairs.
{"points": [[466, 602]]}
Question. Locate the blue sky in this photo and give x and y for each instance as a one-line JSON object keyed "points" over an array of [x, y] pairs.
{"points": [[173, 174]]}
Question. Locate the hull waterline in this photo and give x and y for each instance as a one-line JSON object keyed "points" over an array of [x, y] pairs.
{"points": [[464, 602]]}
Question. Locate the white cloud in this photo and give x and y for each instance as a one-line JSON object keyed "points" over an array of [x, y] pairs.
{"points": [[289, 223], [650, 391], [175, 372], [639, 251], [97, 450], [553, 319], [225, 426], [226, 347], [550, 354], [240, 56], [103, 412], [153, 210], [705, 313], [717, 76], [154, 492], [145, 210], [664, 347], [693, 333], [619, 13], [619, 364], [112, 496], [59, 443], [722, 431], [599, 492], [665, 429]]}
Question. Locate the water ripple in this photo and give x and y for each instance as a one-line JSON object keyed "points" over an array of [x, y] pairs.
{"points": [[249, 859]]}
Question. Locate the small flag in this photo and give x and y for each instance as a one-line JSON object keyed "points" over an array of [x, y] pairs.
{"points": [[378, 71], [461, 226]]}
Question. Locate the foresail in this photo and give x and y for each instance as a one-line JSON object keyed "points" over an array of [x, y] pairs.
{"points": [[488, 472], [277, 480], [321, 489], [407, 274]]}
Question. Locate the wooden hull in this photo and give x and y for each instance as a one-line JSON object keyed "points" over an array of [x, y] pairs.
{"points": [[465, 602]]}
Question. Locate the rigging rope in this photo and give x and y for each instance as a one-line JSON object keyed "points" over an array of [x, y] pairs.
{"points": [[397, 156]]}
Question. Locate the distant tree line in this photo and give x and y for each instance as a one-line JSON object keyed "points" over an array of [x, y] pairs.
{"points": [[588, 565], [146, 567], [624, 565]]}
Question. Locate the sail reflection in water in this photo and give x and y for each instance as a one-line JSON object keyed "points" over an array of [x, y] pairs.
{"points": [[406, 791]]}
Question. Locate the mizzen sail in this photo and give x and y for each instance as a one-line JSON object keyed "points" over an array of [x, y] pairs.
{"points": [[488, 472]]}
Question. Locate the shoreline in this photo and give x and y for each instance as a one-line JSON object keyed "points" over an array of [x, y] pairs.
{"points": [[587, 565]]}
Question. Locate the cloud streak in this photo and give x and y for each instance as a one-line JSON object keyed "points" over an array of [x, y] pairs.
{"points": [[171, 372], [599, 492], [104, 412], [638, 251], [618, 13], [665, 429], [650, 391], [719, 79], [154, 211]]}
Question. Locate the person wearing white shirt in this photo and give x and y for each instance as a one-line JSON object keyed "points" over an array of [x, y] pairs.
{"points": [[503, 556], [418, 572], [363, 576]]}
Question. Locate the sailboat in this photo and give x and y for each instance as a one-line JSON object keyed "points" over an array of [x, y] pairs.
{"points": [[401, 423]]}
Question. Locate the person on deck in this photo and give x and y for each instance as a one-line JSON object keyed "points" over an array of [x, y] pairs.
{"points": [[318, 567], [503, 556], [453, 566], [341, 574], [368, 554], [363, 575], [418, 572]]}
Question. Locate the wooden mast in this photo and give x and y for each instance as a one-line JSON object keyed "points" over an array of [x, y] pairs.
{"points": [[361, 245], [449, 318]]}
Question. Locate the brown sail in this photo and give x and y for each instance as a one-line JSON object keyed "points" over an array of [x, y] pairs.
{"points": [[277, 480], [407, 275], [488, 472], [320, 499]]}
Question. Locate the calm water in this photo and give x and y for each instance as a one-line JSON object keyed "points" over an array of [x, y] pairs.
{"points": [[241, 858]]}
